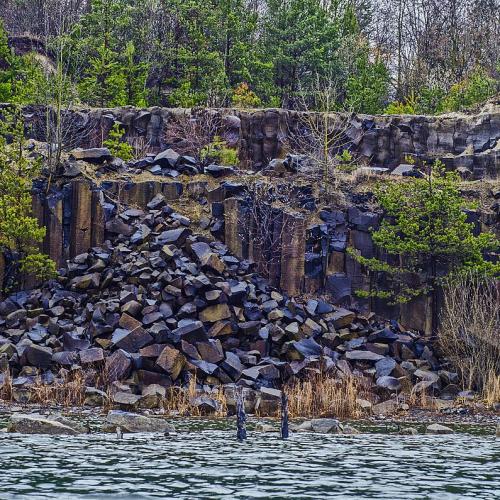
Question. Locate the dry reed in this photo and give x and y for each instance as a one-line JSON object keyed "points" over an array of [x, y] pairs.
{"points": [[322, 395], [6, 388], [470, 332], [181, 401], [71, 392], [421, 400]]}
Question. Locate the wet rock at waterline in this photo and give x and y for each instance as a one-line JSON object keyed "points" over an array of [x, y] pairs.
{"points": [[318, 425], [438, 429], [38, 424], [133, 422]]}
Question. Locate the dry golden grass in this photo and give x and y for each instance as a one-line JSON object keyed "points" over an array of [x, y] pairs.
{"points": [[421, 400], [491, 388], [322, 395], [179, 401], [6, 389], [69, 393]]}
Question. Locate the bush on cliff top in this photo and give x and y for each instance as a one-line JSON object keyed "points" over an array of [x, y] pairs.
{"points": [[117, 145]]}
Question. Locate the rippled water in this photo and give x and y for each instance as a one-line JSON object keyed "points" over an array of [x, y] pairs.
{"points": [[210, 463]]}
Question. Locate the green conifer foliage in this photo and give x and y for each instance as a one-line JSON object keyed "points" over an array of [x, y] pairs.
{"points": [[7, 67], [117, 145], [425, 236], [105, 83], [20, 232]]}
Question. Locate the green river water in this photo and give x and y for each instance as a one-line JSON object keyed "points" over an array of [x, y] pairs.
{"points": [[205, 461]]}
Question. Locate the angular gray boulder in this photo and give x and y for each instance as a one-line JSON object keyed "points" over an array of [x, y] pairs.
{"points": [[133, 422], [40, 424]]}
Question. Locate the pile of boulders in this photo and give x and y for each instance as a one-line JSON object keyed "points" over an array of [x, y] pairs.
{"points": [[157, 305], [168, 163]]}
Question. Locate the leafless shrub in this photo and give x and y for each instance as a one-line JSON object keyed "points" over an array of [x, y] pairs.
{"points": [[190, 131], [324, 138], [62, 130], [6, 387], [262, 222], [470, 332], [142, 147]]}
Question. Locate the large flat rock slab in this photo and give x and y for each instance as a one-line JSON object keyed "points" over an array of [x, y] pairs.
{"points": [[39, 424], [133, 422]]}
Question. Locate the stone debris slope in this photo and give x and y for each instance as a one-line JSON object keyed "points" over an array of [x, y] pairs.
{"points": [[157, 304]]}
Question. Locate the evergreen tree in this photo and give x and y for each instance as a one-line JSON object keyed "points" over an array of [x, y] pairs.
{"points": [[301, 40], [425, 236], [20, 233], [7, 67], [135, 74], [105, 84], [368, 87]]}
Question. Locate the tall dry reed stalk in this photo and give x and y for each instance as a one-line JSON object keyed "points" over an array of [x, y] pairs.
{"points": [[71, 392], [6, 388], [180, 401], [469, 334], [322, 395]]}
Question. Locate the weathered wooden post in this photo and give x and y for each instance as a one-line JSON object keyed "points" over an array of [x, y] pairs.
{"points": [[241, 417], [284, 415]]}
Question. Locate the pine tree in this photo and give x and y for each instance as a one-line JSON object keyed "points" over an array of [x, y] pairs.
{"points": [[20, 233], [105, 84], [7, 66], [368, 86], [135, 75], [425, 237], [300, 38]]}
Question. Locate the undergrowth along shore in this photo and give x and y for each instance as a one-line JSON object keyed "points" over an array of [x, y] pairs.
{"points": [[320, 395]]}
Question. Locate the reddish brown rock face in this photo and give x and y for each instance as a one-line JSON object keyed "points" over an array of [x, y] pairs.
{"points": [[171, 361]]}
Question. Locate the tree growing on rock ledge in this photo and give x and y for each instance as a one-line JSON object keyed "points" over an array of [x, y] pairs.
{"points": [[20, 233], [423, 238]]}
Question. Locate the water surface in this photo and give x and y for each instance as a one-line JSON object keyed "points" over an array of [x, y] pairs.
{"points": [[206, 462]]}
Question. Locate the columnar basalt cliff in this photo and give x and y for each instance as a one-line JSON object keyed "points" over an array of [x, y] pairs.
{"points": [[165, 274], [468, 141], [309, 253], [309, 256]]}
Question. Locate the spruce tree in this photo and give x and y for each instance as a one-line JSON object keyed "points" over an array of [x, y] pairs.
{"points": [[7, 67], [105, 83], [424, 237], [135, 74]]}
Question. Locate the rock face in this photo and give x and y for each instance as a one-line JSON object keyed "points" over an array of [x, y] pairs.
{"points": [[163, 306], [462, 141], [37, 424], [307, 256], [158, 315]]}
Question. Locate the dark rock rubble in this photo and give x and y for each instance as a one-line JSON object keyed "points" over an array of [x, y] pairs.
{"points": [[156, 305]]}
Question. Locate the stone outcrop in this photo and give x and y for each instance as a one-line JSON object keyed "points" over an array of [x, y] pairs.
{"points": [[470, 142], [154, 311], [306, 255], [38, 424], [133, 422]]}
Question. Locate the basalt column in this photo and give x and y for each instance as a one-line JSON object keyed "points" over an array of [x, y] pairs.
{"points": [[234, 222], [81, 234], [292, 256]]}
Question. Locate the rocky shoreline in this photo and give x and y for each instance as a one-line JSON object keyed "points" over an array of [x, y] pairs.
{"points": [[159, 308], [76, 421]]}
